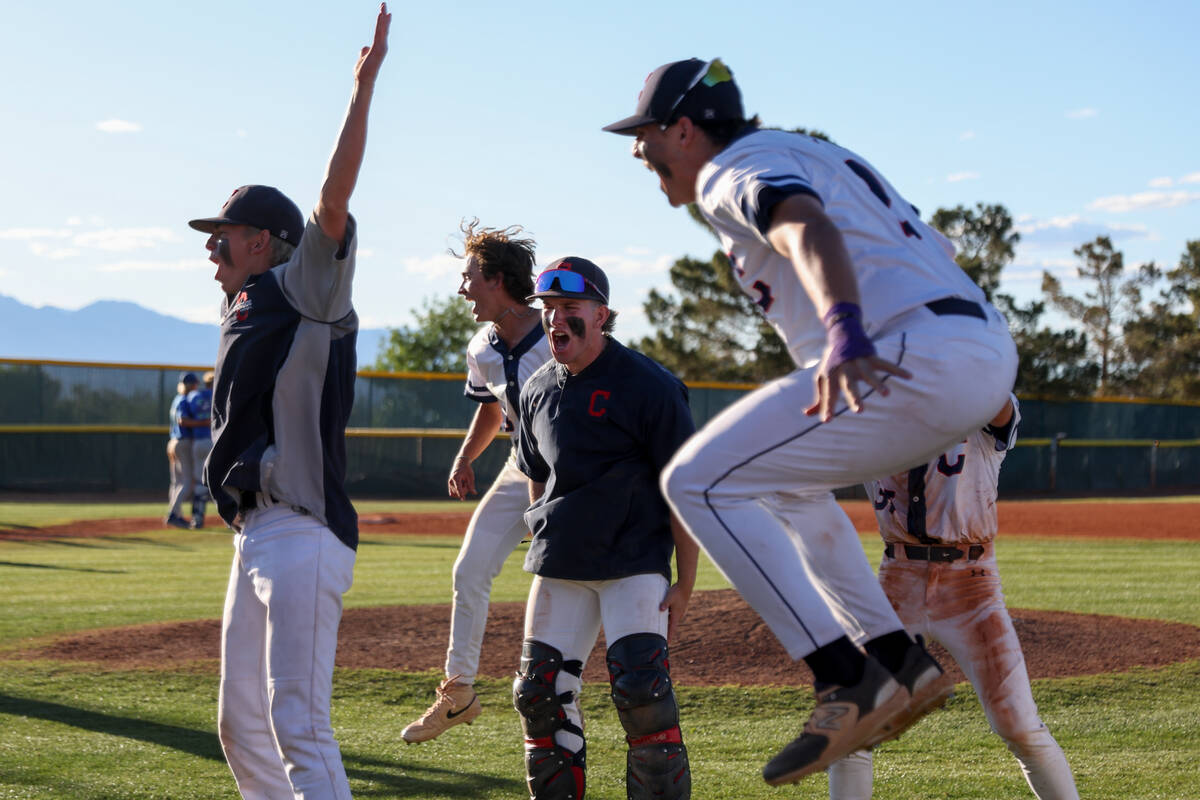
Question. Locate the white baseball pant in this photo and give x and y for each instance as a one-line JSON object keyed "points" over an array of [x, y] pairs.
{"points": [[567, 615], [961, 604], [179, 459], [764, 446], [200, 450], [496, 528], [278, 640]]}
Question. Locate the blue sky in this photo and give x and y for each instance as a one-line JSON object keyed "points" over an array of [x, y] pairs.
{"points": [[121, 121]]}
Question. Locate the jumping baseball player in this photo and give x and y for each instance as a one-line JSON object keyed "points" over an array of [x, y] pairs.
{"points": [[899, 354], [497, 278], [281, 400], [198, 418], [179, 452], [597, 425], [938, 522]]}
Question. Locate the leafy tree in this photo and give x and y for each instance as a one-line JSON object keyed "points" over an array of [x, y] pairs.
{"points": [[984, 238], [712, 330], [436, 342], [1099, 310], [1053, 363], [1162, 337]]}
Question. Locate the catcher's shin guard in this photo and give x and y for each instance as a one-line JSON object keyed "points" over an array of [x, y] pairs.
{"points": [[552, 772], [657, 762]]}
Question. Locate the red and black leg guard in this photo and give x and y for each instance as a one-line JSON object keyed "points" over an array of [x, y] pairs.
{"points": [[552, 772], [657, 762]]}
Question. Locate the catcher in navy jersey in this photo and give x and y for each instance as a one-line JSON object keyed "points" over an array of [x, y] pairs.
{"points": [[598, 424]]}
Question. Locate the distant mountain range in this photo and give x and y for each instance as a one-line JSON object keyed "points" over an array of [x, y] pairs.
{"points": [[115, 330]]}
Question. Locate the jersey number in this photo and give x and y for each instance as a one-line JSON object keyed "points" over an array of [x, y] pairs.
{"points": [[946, 468], [885, 500], [876, 186], [765, 300]]}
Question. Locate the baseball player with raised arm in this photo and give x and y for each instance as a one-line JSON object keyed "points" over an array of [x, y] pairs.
{"points": [[199, 420], [281, 401], [938, 522], [179, 452], [899, 356], [597, 426], [496, 280]]}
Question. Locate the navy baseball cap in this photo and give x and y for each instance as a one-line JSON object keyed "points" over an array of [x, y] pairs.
{"points": [[263, 207], [188, 377], [703, 91], [572, 277]]}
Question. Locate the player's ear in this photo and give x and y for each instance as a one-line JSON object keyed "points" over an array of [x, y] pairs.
{"points": [[686, 131]]}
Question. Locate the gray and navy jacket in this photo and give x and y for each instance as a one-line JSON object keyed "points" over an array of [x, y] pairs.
{"points": [[599, 441], [285, 385]]}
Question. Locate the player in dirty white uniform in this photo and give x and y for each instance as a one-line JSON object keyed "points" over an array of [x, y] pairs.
{"points": [[874, 309], [497, 278], [938, 523]]}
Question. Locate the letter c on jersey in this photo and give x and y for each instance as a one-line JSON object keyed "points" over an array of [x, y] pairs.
{"points": [[593, 408]]}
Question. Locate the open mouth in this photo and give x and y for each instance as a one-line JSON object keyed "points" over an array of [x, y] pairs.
{"points": [[559, 340]]}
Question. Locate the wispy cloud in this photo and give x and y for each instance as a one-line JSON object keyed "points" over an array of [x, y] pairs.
{"points": [[1072, 229], [29, 234], [121, 239], [966, 136], [439, 267], [635, 261], [43, 250], [1082, 113], [118, 126], [1161, 183], [1121, 203], [179, 265], [955, 177], [1191, 178]]}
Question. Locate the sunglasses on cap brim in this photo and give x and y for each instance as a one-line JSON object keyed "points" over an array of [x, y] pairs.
{"points": [[568, 281]]}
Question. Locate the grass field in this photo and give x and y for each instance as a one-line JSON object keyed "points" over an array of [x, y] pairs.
{"points": [[78, 731]]}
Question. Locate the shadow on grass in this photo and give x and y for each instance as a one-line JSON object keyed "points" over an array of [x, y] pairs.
{"points": [[202, 744], [390, 777], [452, 543], [407, 779], [55, 566]]}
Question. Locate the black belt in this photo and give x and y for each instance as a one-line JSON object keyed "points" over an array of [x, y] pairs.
{"points": [[956, 305], [922, 552], [249, 502]]}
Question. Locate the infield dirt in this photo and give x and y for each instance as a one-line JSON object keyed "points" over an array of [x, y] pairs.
{"points": [[720, 629]]}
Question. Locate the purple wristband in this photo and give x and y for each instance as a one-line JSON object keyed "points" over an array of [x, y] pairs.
{"points": [[846, 337]]}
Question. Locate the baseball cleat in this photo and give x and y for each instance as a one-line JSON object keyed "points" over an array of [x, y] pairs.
{"points": [[844, 719], [928, 686], [177, 522], [456, 702]]}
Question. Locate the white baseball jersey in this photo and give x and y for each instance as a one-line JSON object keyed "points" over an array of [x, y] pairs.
{"points": [[957, 505], [899, 261], [496, 374]]}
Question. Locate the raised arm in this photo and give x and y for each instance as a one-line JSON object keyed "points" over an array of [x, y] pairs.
{"points": [[333, 205]]}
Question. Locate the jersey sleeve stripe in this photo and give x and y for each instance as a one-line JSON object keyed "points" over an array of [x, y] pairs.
{"points": [[769, 195]]}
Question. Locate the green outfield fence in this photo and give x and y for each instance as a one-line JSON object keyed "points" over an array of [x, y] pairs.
{"points": [[83, 427]]}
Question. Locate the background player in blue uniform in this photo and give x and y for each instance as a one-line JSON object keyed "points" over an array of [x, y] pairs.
{"points": [[198, 419], [179, 452], [496, 279], [598, 424], [281, 400]]}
